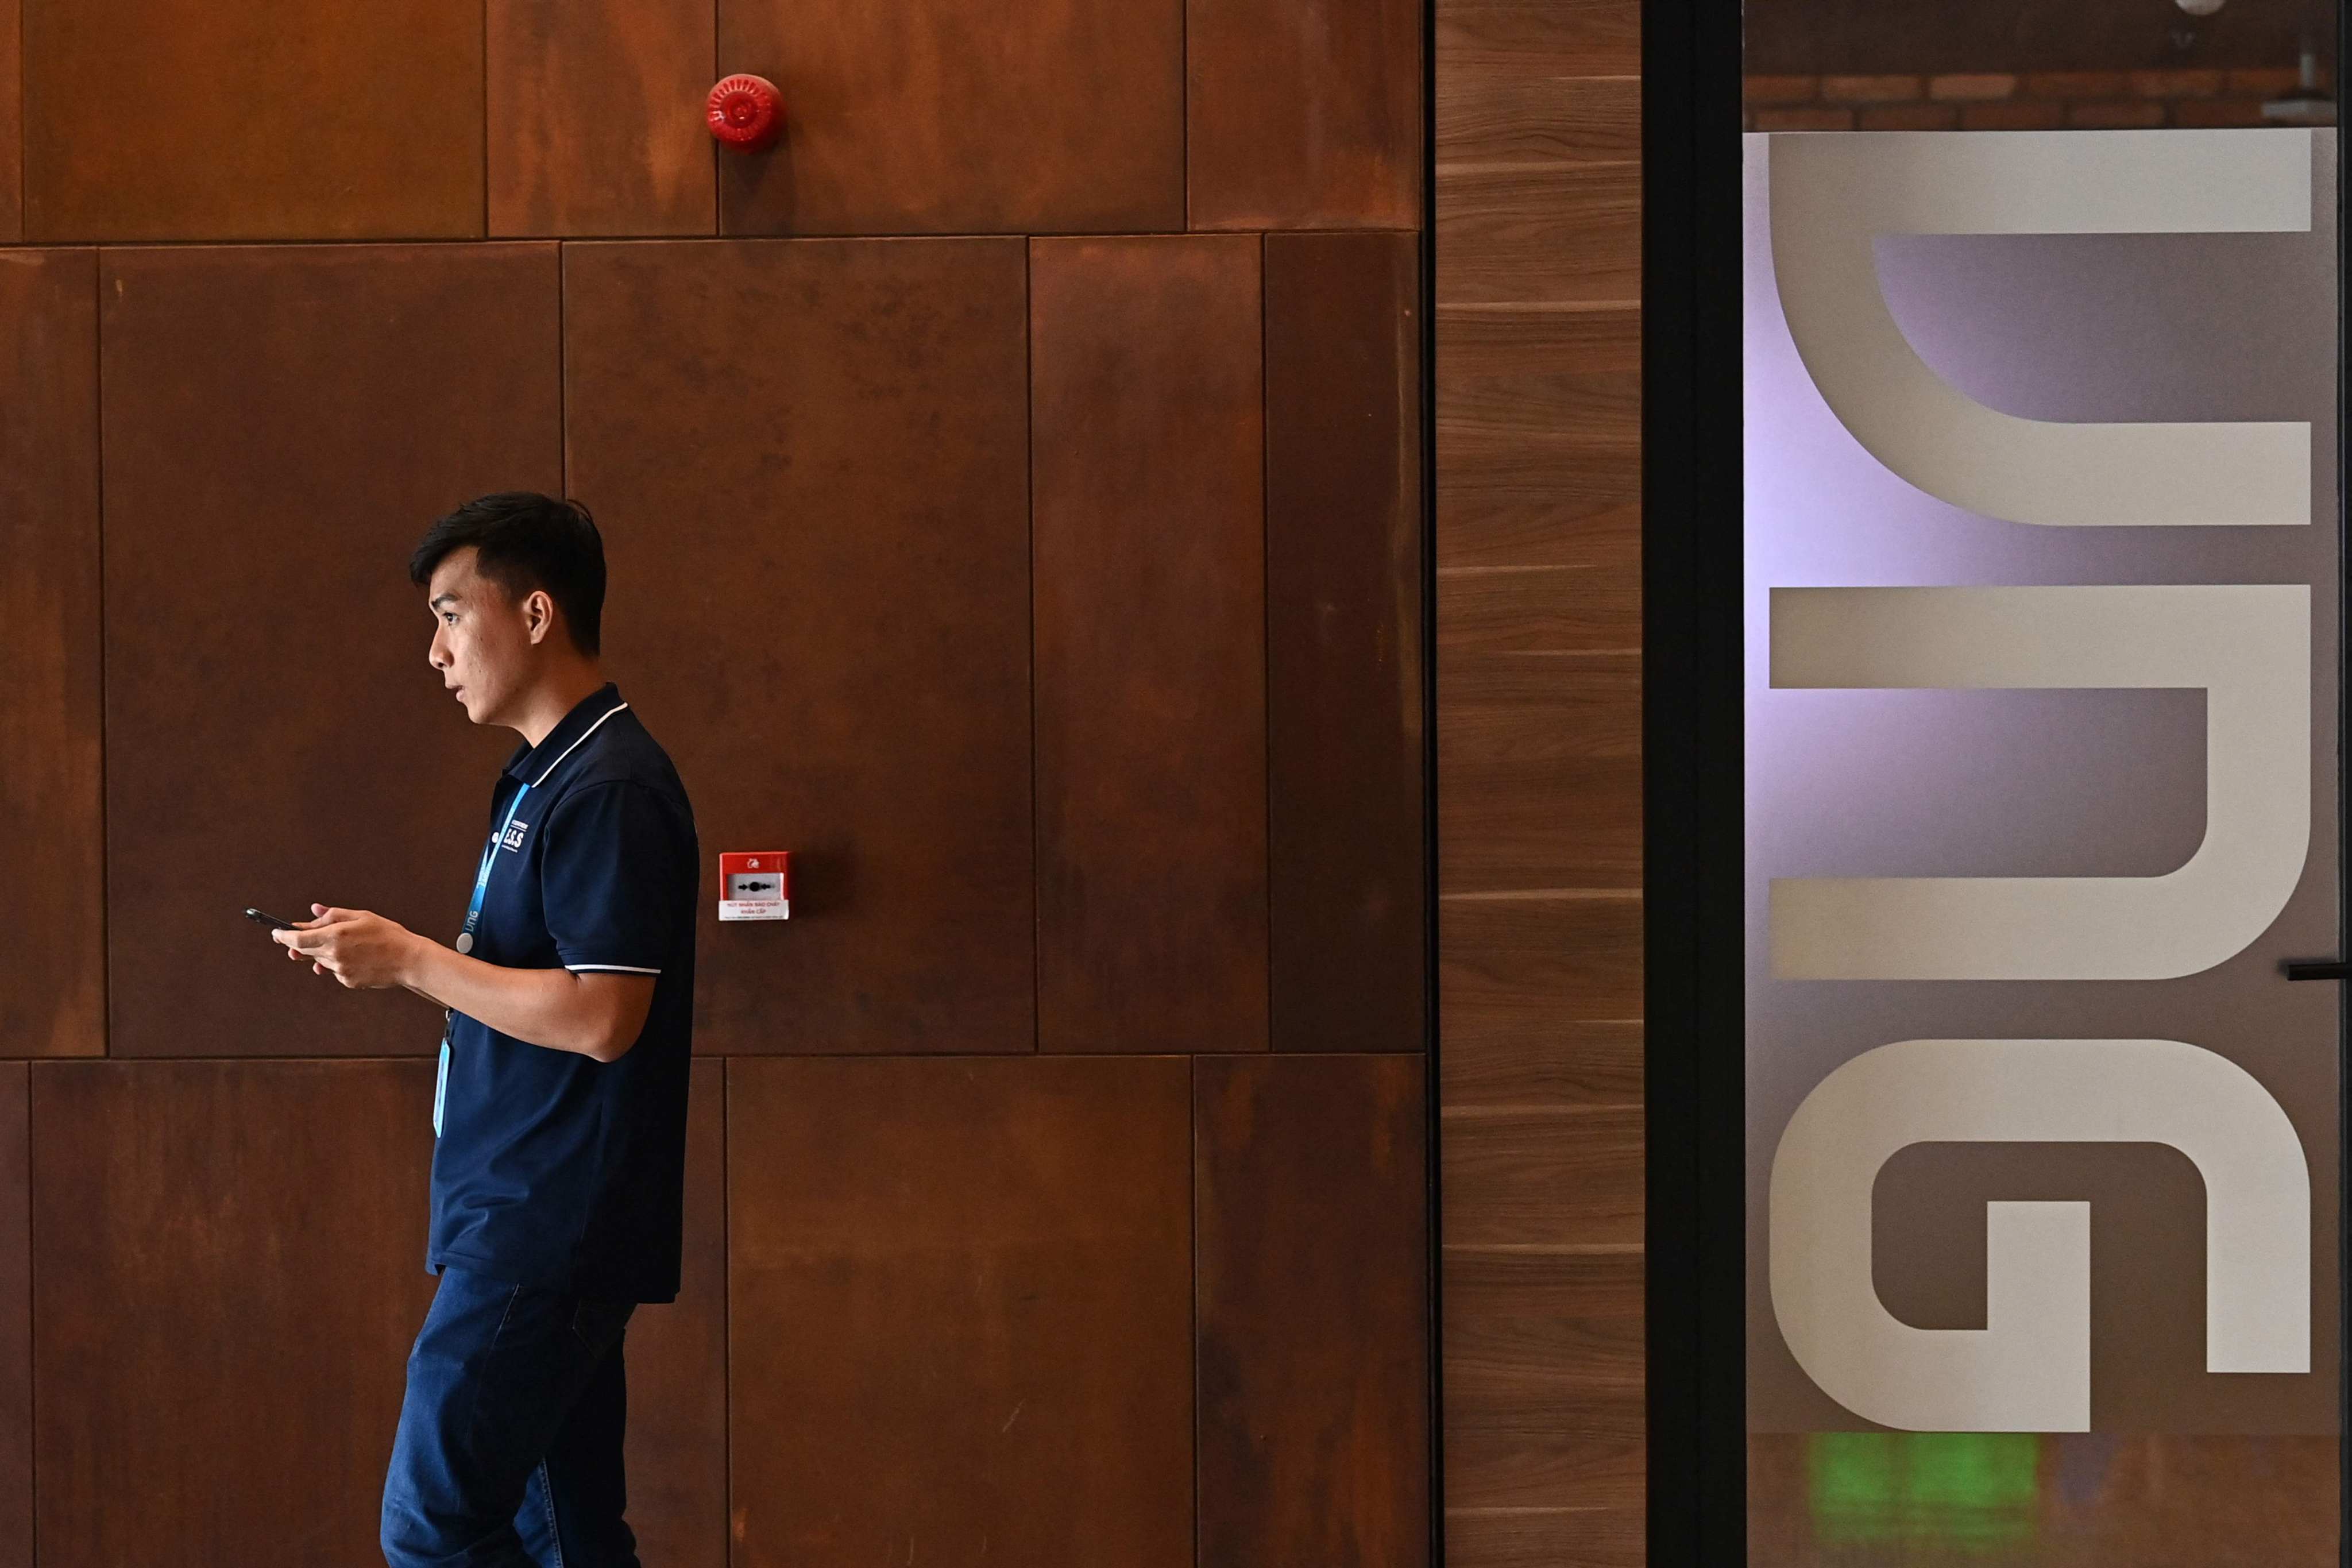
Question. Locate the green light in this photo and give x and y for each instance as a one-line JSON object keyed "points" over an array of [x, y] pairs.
{"points": [[1957, 1489]]}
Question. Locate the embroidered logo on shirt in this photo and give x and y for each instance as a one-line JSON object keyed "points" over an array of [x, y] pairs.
{"points": [[515, 830]]}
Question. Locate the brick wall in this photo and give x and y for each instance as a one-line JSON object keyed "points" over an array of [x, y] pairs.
{"points": [[2028, 100]]}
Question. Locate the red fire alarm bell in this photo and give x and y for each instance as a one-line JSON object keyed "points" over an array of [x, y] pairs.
{"points": [[746, 112], [755, 885]]}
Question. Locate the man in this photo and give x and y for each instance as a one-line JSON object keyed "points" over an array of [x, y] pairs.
{"points": [[559, 1170]]}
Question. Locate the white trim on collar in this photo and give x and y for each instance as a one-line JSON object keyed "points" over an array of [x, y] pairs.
{"points": [[574, 747]]}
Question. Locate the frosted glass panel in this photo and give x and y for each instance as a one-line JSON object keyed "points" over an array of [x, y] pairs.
{"points": [[2042, 570]]}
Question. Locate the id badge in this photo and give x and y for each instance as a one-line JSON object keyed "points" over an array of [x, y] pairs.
{"points": [[441, 1085]]}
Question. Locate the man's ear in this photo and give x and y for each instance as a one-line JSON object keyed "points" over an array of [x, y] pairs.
{"points": [[538, 614]]}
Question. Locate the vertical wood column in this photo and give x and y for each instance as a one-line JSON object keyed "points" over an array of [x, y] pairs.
{"points": [[1539, 701]]}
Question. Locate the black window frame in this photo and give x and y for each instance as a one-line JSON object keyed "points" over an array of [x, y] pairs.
{"points": [[1692, 747]]}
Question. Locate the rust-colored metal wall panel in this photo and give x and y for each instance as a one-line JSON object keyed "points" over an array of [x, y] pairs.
{"points": [[1303, 113], [1147, 444], [960, 116], [677, 1357], [1343, 575], [52, 960], [959, 1328], [281, 425], [598, 122], [15, 1319], [228, 1273], [808, 460], [1311, 1279], [268, 119], [12, 122]]}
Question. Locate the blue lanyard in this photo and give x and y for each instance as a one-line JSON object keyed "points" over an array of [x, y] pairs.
{"points": [[466, 944], [482, 876]]}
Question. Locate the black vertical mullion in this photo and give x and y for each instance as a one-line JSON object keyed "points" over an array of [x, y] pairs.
{"points": [[1694, 1062], [2343, 822]]}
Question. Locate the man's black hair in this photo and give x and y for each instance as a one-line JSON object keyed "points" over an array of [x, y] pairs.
{"points": [[524, 540]]}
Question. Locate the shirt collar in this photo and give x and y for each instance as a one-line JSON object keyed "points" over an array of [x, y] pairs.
{"points": [[533, 764]]}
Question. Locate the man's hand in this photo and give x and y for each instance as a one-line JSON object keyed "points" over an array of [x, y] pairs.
{"points": [[362, 951]]}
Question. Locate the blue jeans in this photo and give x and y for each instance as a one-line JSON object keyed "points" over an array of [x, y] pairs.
{"points": [[509, 1453]]}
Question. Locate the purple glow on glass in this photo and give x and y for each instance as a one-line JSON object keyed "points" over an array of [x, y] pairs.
{"points": [[2174, 327]]}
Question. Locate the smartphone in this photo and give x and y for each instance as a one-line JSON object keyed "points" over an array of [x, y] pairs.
{"points": [[272, 921]]}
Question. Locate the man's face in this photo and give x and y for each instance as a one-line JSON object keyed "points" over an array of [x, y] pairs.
{"points": [[482, 640]]}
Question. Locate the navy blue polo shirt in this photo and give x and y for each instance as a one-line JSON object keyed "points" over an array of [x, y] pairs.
{"points": [[553, 1168]]}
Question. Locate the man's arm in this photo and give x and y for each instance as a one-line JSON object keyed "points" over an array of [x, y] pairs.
{"points": [[598, 1016]]}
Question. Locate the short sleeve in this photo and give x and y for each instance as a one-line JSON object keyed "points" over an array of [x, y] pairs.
{"points": [[616, 878]]}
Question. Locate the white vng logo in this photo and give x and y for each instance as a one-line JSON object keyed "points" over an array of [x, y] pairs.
{"points": [[2247, 647]]}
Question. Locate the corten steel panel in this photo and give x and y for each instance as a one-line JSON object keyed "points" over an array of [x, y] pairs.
{"points": [[598, 124], [228, 1274], [281, 426], [1343, 573], [808, 458], [1312, 1288], [267, 119], [52, 961], [675, 1353], [16, 1321], [1303, 113], [960, 1324], [960, 116], [12, 122], [1151, 603]]}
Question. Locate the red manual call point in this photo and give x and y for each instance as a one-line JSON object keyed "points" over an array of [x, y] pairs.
{"points": [[746, 112], [755, 885]]}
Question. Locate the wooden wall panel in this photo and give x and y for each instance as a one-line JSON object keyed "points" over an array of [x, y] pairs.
{"points": [[1539, 454], [1343, 583], [52, 961], [675, 1353], [599, 125], [16, 1539], [960, 116], [808, 461], [1551, 1176], [1525, 969], [1532, 231], [960, 1330], [1303, 113], [1148, 452], [1311, 1279], [1535, 743], [1543, 1395], [228, 1273], [1570, 43], [1540, 782], [268, 119], [281, 426], [1513, 116]]}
